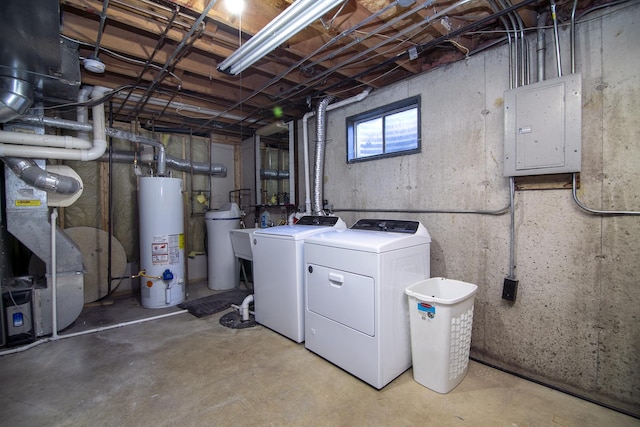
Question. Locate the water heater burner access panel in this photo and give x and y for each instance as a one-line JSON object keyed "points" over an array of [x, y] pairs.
{"points": [[542, 127]]}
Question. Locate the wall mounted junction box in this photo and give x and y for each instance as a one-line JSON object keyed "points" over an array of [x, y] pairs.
{"points": [[542, 127]]}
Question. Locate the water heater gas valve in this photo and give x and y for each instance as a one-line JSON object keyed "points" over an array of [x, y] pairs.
{"points": [[167, 275]]}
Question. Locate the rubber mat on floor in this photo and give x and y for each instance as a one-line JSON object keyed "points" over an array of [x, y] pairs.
{"points": [[214, 303]]}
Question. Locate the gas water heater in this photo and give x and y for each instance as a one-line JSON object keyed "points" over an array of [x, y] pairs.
{"points": [[162, 245]]}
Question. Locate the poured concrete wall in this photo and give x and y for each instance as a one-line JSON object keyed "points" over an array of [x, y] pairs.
{"points": [[575, 322]]}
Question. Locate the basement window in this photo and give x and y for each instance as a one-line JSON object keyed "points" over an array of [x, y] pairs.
{"points": [[391, 130]]}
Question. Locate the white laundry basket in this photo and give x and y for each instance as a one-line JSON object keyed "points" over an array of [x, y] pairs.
{"points": [[441, 316]]}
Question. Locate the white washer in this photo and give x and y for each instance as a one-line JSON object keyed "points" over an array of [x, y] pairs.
{"points": [[356, 313], [278, 273]]}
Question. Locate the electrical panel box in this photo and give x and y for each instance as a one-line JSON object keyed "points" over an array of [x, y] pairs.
{"points": [[542, 127]]}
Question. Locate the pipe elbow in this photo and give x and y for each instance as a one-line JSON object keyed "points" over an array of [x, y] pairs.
{"points": [[99, 148]]}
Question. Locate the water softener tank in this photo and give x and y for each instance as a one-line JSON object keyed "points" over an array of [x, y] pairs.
{"points": [[223, 266], [162, 244]]}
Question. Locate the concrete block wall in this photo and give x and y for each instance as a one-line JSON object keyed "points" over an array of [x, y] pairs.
{"points": [[575, 322]]}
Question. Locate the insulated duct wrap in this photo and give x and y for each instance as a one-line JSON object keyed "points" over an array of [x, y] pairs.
{"points": [[196, 167], [175, 163], [318, 175], [32, 174]]}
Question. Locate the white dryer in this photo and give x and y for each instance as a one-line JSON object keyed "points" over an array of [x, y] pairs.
{"points": [[278, 273], [356, 312]]}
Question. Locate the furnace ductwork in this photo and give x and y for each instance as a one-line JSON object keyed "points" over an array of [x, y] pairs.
{"points": [[28, 171], [16, 96]]}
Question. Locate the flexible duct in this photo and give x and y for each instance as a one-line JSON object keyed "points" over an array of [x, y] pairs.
{"points": [[34, 145], [28, 171], [196, 167], [305, 140], [175, 163], [318, 176]]}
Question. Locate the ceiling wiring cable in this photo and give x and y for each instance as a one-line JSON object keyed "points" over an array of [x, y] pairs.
{"points": [[119, 56], [300, 63], [437, 41]]}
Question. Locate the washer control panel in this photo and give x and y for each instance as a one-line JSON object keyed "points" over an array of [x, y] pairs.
{"points": [[319, 220], [387, 225]]}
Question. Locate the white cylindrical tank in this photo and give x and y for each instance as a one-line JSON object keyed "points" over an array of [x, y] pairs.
{"points": [[162, 243], [223, 266]]}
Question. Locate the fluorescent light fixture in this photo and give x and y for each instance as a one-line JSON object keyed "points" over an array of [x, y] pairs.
{"points": [[284, 26]]}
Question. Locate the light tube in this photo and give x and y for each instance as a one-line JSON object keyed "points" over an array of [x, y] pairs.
{"points": [[284, 26]]}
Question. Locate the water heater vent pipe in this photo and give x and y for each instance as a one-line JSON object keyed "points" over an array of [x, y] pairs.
{"points": [[63, 148]]}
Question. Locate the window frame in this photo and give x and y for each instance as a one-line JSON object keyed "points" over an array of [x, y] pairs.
{"points": [[382, 112]]}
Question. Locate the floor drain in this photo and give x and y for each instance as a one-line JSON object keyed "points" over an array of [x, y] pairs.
{"points": [[233, 320]]}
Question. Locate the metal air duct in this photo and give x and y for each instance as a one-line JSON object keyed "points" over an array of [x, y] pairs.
{"points": [[30, 51]]}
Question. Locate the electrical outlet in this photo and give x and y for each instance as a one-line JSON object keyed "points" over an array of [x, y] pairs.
{"points": [[510, 289]]}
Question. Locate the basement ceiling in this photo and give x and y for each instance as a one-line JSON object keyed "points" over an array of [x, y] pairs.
{"points": [[164, 54]]}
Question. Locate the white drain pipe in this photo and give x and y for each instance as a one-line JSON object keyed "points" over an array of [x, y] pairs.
{"points": [[244, 308], [91, 331], [54, 281], [60, 141], [63, 148]]}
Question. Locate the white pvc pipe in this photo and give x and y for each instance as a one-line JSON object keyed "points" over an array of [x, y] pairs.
{"points": [[54, 282], [36, 144], [305, 142], [120, 325], [90, 331], [244, 308], [44, 140], [238, 308]]}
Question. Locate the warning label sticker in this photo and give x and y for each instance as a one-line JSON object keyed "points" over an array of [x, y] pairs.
{"points": [[166, 249], [160, 252], [21, 203]]}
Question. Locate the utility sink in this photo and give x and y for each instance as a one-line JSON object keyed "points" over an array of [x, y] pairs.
{"points": [[241, 240]]}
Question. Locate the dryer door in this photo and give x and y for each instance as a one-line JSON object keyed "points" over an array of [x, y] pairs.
{"points": [[342, 296]]}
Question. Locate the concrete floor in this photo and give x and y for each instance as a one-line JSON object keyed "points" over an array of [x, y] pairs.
{"points": [[182, 370]]}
